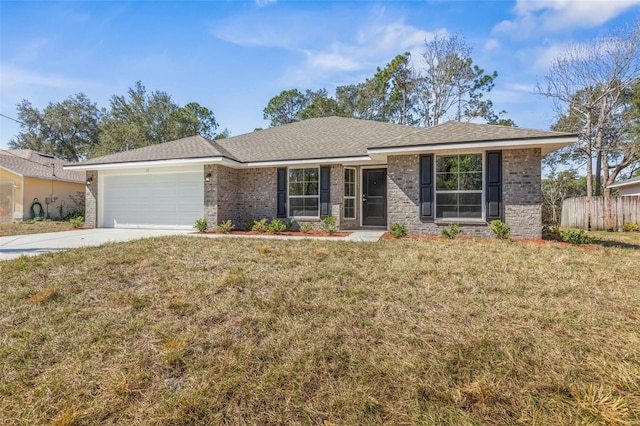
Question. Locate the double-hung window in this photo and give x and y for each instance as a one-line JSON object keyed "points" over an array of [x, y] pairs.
{"points": [[349, 193], [304, 192], [459, 186]]}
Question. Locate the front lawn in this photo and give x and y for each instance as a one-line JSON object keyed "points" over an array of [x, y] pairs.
{"points": [[184, 330], [33, 227]]}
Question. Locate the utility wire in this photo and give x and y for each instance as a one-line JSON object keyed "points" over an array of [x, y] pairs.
{"points": [[13, 119]]}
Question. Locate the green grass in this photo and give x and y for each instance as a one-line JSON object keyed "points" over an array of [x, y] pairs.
{"points": [[185, 330], [29, 227]]}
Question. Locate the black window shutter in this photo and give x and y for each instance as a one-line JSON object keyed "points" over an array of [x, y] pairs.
{"points": [[282, 192], [325, 185], [494, 185], [426, 187]]}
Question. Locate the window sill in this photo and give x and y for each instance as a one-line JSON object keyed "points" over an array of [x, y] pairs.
{"points": [[475, 222]]}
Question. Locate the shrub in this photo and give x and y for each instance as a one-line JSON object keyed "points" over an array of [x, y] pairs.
{"points": [[276, 226], [289, 224], [398, 230], [260, 225], [576, 238], [452, 231], [305, 228], [551, 232], [247, 224], [329, 225], [77, 222], [225, 227], [630, 227], [500, 229], [201, 225]]}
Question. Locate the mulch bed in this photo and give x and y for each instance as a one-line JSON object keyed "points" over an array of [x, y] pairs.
{"points": [[388, 236], [287, 233]]}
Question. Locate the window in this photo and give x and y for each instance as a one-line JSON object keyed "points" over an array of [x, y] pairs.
{"points": [[459, 186], [304, 187], [349, 193]]}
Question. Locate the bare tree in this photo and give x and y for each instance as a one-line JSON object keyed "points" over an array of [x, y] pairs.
{"points": [[450, 86], [591, 84]]}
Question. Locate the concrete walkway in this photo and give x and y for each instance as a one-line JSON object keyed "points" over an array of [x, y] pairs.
{"points": [[34, 244]]}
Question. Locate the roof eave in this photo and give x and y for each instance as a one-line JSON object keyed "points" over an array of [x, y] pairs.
{"points": [[155, 163], [546, 144]]}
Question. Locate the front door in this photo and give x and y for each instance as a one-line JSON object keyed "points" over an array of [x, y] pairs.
{"points": [[374, 197]]}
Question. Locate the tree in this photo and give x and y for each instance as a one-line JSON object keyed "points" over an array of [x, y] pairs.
{"points": [[593, 88], [388, 96], [450, 86], [320, 104], [67, 129], [555, 189], [143, 119], [194, 119], [286, 107]]}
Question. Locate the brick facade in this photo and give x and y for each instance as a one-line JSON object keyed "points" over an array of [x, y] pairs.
{"points": [[521, 191], [91, 200], [521, 174], [238, 194]]}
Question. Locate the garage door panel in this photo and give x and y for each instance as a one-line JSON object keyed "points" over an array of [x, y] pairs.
{"points": [[153, 200]]}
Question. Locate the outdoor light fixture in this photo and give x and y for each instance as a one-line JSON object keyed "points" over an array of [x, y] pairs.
{"points": [[208, 177], [89, 180]]}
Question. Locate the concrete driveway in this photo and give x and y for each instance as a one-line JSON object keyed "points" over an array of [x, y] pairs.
{"points": [[31, 245]]}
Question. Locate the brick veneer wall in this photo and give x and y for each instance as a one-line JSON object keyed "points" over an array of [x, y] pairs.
{"points": [[521, 191], [242, 194], [91, 200], [521, 176]]}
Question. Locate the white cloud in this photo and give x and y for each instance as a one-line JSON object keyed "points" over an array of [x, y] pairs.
{"points": [[532, 16], [19, 77], [353, 45], [264, 3], [491, 44]]}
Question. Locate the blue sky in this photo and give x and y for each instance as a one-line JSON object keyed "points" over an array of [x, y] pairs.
{"points": [[232, 57]]}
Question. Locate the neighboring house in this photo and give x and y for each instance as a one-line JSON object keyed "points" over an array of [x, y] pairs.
{"points": [[26, 175], [365, 173], [628, 187]]}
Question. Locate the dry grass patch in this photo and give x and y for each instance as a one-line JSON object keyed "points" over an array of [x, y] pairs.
{"points": [[183, 330], [28, 227]]}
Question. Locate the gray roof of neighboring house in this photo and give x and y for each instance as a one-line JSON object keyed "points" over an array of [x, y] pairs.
{"points": [[625, 182], [191, 147], [318, 138], [33, 164]]}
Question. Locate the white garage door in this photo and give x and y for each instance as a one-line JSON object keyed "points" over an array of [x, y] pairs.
{"points": [[163, 200]]}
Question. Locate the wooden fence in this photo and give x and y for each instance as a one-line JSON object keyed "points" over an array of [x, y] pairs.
{"points": [[601, 213]]}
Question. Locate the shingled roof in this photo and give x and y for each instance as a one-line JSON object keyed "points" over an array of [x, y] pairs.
{"points": [[453, 132], [191, 147], [28, 163], [321, 138]]}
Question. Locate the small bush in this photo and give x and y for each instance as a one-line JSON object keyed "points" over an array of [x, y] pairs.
{"points": [[576, 238], [260, 226], [630, 227], [290, 223], [398, 230], [201, 225], [329, 225], [452, 231], [247, 224], [77, 222], [500, 229], [73, 214], [305, 228], [225, 227], [276, 226], [551, 232]]}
